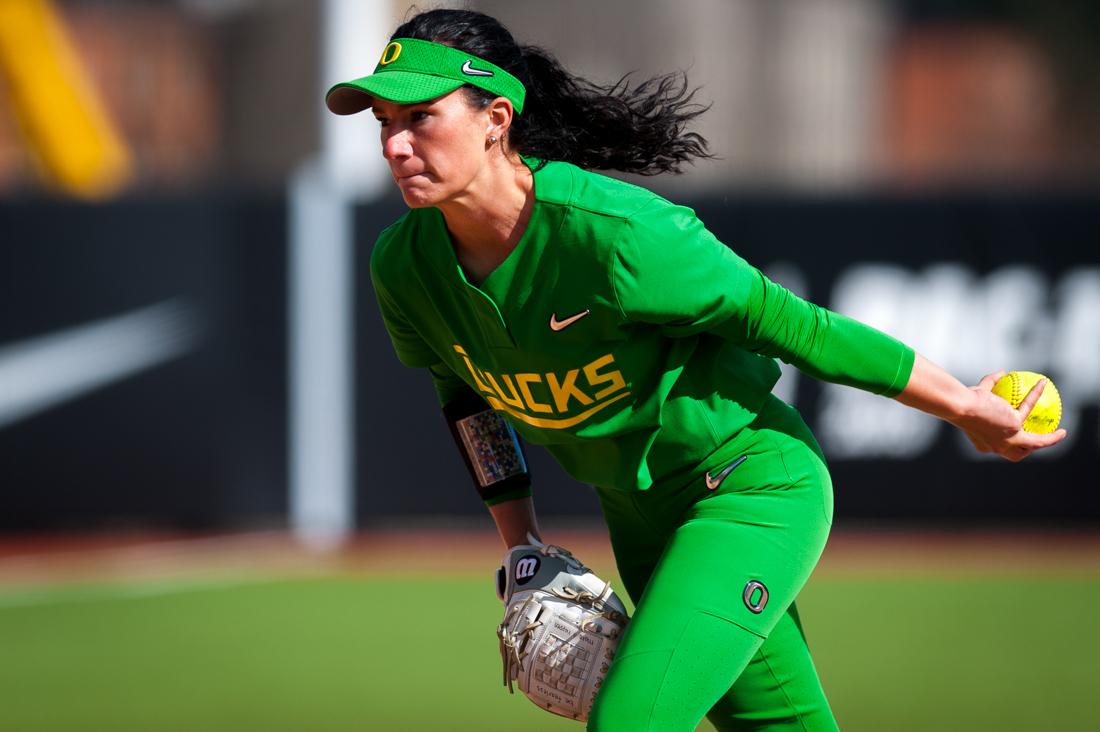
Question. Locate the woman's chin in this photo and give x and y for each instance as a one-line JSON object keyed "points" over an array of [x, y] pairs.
{"points": [[417, 196], [414, 200]]}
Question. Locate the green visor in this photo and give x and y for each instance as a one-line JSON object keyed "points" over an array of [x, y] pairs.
{"points": [[412, 70]]}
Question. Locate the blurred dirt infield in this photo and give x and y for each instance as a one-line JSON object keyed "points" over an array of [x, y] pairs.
{"points": [[32, 560]]}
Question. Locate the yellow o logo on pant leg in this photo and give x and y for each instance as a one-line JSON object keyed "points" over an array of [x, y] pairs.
{"points": [[390, 54]]}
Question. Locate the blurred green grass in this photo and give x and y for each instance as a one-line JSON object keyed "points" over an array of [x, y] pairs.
{"points": [[362, 653]]}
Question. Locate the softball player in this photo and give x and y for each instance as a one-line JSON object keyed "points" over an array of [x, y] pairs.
{"points": [[609, 325]]}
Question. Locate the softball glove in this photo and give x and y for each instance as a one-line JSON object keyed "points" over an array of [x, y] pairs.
{"points": [[561, 627]]}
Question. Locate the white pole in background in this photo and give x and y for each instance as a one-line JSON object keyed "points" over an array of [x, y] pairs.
{"points": [[322, 290]]}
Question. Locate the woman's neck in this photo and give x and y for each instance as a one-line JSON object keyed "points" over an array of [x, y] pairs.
{"points": [[487, 221]]}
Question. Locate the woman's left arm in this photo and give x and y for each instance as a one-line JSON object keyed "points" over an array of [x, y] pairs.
{"points": [[989, 421]]}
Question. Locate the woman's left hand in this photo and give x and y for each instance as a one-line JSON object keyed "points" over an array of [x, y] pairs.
{"points": [[994, 426]]}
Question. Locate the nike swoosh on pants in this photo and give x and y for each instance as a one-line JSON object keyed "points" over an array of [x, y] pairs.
{"points": [[713, 483]]}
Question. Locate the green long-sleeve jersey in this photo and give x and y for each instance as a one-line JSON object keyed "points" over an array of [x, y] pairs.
{"points": [[619, 333]]}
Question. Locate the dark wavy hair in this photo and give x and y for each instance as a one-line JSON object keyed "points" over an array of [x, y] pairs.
{"points": [[633, 128]]}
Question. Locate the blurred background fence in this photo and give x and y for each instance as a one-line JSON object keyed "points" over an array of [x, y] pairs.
{"points": [[931, 167]]}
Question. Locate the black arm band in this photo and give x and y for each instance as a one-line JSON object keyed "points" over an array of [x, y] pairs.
{"points": [[488, 445]]}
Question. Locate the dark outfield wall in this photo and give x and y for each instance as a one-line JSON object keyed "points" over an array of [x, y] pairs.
{"points": [[142, 363], [975, 282], [143, 359]]}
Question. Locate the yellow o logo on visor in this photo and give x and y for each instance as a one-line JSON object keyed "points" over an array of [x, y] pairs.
{"points": [[390, 54]]}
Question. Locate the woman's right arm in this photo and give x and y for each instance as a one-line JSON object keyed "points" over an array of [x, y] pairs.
{"points": [[989, 421], [701, 285]]}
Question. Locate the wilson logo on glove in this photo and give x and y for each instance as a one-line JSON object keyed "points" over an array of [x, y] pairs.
{"points": [[526, 568]]}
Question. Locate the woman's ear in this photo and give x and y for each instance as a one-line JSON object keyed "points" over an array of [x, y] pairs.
{"points": [[500, 113]]}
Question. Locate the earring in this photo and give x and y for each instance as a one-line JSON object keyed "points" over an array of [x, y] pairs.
{"points": [[492, 139]]}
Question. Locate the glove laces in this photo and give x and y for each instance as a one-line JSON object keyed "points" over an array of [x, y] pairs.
{"points": [[513, 648]]}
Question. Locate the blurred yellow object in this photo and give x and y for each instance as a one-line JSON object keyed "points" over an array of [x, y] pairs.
{"points": [[56, 104]]}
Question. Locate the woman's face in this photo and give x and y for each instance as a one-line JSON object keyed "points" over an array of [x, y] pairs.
{"points": [[434, 148]]}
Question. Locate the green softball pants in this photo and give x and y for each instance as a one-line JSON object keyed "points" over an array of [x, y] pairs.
{"points": [[714, 575]]}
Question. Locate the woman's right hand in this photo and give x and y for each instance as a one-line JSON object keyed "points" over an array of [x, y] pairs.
{"points": [[994, 426]]}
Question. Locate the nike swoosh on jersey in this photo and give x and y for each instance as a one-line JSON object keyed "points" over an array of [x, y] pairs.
{"points": [[556, 324], [470, 71], [716, 481], [49, 370]]}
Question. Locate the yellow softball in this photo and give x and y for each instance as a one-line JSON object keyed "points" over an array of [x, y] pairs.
{"points": [[1015, 385]]}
